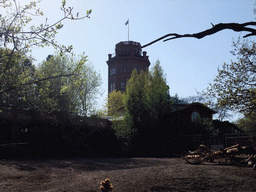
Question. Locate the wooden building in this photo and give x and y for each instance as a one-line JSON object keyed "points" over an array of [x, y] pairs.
{"points": [[181, 119]]}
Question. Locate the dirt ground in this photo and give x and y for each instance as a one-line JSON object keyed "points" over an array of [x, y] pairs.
{"points": [[125, 174]]}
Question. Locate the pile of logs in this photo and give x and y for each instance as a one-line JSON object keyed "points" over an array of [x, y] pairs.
{"points": [[236, 154]]}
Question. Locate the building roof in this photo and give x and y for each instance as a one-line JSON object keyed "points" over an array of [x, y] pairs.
{"points": [[198, 105]]}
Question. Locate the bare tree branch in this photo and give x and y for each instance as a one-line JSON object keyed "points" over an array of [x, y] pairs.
{"points": [[216, 28]]}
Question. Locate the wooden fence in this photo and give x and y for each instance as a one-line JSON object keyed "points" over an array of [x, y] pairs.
{"points": [[242, 139]]}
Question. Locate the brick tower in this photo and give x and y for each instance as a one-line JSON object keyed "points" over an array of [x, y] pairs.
{"points": [[121, 64]]}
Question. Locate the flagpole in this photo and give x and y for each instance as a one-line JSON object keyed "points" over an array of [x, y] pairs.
{"points": [[127, 23], [128, 29]]}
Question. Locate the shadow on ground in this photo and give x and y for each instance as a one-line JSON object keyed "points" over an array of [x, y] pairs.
{"points": [[85, 164]]}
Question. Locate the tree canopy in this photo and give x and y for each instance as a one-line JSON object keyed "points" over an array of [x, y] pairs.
{"points": [[13, 75], [235, 83], [63, 84], [19, 37], [73, 94], [248, 125], [147, 95], [146, 99], [115, 102]]}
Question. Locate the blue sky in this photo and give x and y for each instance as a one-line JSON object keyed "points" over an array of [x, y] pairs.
{"points": [[190, 64]]}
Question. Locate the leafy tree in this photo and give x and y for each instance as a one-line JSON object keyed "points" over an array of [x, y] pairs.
{"points": [[88, 87], [18, 72], [73, 94], [235, 83], [147, 95], [115, 102], [126, 135], [17, 34], [136, 99], [158, 97], [247, 124], [146, 100]]}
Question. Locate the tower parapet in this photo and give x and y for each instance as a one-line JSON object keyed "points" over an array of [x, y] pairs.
{"points": [[128, 56]]}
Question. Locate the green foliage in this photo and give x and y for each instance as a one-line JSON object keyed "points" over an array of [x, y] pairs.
{"points": [[247, 124], [18, 35], [16, 71], [145, 101], [204, 126], [125, 134], [159, 101], [147, 96], [75, 88], [235, 83], [136, 97], [115, 102]]}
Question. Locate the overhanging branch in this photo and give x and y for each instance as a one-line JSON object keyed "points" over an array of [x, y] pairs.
{"points": [[215, 28]]}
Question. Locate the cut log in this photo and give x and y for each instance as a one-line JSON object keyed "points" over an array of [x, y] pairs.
{"points": [[236, 155], [231, 147], [232, 151]]}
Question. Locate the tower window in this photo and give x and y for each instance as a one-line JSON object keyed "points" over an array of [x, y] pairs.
{"points": [[122, 86], [126, 69], [112, 86], [112, 71]]}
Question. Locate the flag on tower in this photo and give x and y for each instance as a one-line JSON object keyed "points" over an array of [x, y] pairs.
{"points": [[127, 22]]}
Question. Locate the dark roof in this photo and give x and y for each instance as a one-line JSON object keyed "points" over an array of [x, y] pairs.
{"points": [[186, 106], [178, 106], [226, 127]]}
